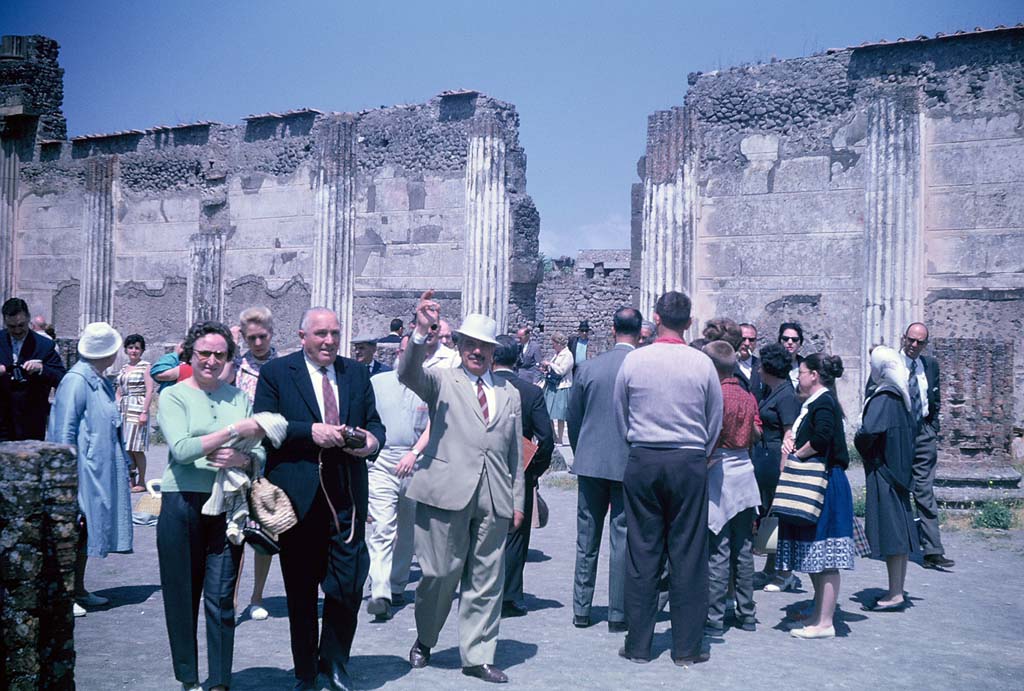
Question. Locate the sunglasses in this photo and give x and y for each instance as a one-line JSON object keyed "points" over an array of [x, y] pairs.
{"points": [[745, 339], [789, 339], [219, 355]]}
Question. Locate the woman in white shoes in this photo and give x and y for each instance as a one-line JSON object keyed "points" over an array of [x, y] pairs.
{"points": [[85, 416], [824, 549]]}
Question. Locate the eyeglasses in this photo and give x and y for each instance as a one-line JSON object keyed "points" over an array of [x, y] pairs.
{"points": [[220, 355], [789, 339]]}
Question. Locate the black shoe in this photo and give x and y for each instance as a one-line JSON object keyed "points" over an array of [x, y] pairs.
{"points": [[335, 676], [488, 673], [397, 599], [687, 661], [748, 626], [638, 660], [419, 655], [303, 685], [617, 627], [937, 561], [580, 621], [380, 608], [512, 609], [713, 631]]}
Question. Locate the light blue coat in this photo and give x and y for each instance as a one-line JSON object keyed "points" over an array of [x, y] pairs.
{"points": [[85, 416]]}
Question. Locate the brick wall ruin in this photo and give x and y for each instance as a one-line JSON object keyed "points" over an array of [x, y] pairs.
{"points": [[151, 229], [856, 191]]}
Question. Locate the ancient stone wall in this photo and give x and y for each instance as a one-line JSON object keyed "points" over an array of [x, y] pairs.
{"points": [[590, 288], [38, 546], [855, 191], [32, 84], [154, 228]]}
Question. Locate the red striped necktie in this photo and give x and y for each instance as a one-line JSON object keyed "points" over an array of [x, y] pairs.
{"points": [[481, 396]]}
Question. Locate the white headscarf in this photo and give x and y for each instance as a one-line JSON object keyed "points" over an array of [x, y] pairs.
{"points": [[888, 373]]}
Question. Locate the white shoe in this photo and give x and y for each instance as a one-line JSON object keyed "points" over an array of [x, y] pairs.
{"points": [[785, 585], [78, 610], [91, 600], [258, 613], [809, 633]]}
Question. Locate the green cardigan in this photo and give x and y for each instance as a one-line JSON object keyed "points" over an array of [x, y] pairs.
{"points": [[186, 414]]}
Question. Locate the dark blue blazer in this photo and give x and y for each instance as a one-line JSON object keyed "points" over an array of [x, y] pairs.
{"points": [[536, 423], [25, 405], [285, 387]]}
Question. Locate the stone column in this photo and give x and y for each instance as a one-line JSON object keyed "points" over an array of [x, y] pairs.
{"points": [[893, 235], [668, 211], [334, 223], [8, 214], [98, 221], [486, 278], [205, 299]]}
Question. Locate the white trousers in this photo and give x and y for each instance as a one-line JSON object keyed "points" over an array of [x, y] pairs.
{"points": [[390, 536]]}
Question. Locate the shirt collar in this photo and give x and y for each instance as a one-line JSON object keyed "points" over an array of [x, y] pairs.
{"points": [[815, 396], [907, 359], [488, 380], [315, 368]]}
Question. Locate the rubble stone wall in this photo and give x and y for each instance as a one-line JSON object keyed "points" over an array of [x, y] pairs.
{"points": [[38, 546]]}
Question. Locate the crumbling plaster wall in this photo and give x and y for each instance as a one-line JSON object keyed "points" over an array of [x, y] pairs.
{"points": [[254, 185], [888, 177]]}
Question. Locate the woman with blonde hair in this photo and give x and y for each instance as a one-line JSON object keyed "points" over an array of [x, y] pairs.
{"points": [[557, 382]]}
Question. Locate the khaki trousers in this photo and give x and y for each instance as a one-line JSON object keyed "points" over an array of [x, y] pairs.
{"points": [[462, 551]]}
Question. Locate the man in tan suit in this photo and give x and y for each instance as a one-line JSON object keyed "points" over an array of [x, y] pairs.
{"points": [[468, 485]]}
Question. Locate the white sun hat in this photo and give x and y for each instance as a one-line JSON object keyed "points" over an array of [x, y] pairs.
{"points": [[98, 340], [480, 327]]}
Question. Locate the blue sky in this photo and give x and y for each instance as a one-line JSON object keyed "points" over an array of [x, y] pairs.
{"points": [[583, 75]]}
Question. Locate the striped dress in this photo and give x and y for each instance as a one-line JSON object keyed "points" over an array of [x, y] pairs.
{"points": [[131, 384]]}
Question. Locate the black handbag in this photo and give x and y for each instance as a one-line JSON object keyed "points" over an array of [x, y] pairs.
{"points": [[552, 379], [260, 540]]}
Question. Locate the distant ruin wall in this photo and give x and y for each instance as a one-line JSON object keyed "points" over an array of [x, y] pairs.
{"points": [[200, 219]]}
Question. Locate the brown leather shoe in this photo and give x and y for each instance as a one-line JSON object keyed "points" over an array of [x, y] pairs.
{"points": [[419, 655], [488, 673]]}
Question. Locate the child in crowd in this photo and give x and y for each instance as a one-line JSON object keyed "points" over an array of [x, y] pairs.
{"points": [[733, 497]]}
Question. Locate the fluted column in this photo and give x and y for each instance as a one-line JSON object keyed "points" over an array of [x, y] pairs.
{"points": [[8, 214], [334, 222], [98, 221], [893, 234], [668, 211], [486, 278], [205, 299]]}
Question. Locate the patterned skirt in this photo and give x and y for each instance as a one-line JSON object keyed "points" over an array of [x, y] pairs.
{"points": [[135, 431], [826, 545]]}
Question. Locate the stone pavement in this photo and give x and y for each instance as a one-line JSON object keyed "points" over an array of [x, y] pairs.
{"points": [[963, 632]]}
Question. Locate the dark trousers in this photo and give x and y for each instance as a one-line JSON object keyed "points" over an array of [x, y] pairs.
{"points": [[196, 558], [732, 551], [925, 459], [594, 496], [666, 516], [315, 556], [517, 545]]}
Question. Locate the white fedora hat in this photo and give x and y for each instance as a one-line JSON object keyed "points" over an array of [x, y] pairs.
{"points": [[480, 327], [98, 340]]}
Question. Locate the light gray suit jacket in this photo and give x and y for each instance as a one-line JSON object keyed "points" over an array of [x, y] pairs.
{"points": [[599, 449], [461, 445]]}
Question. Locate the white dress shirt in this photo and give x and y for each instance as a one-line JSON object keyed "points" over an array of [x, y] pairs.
{"points": [[922, 382], [746, 366], [317, 378]]}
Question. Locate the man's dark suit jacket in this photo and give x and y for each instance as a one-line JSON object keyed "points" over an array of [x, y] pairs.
{"points": [[285, 387], [24, 406], [931, 373], [754, 385], [571, 345], [376, 367], [536, 423]]}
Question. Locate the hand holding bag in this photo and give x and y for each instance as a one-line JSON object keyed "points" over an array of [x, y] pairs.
{"points": [[800, 493]]}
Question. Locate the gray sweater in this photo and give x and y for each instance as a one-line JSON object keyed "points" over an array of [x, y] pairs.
{"points": [[667, 395]]}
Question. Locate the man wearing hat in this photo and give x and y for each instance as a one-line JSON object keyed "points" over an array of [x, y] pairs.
{"points": [[578, 344], [29, 368], [363, 350], [469, 485]]}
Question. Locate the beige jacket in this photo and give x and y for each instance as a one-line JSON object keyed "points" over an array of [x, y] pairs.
{"points": [[461, 446]]}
